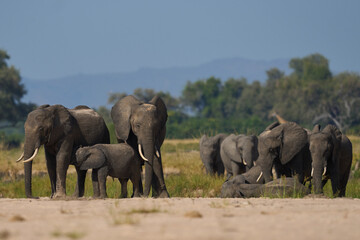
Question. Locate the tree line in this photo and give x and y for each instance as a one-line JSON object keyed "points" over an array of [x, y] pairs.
{"points": [[310, 94]]}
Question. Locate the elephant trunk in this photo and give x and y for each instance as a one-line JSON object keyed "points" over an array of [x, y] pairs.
{"points": [[248, 157], [317, 172], [29, 150], [149, 151]]}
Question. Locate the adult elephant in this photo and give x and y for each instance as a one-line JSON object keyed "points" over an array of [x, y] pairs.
{"points": [[286, 147], [331, 153], [210, 153], [61, 131], [238, 153], [143, 126]]}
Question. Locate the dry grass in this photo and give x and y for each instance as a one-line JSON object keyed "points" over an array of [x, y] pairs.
{"points": [[184, 173]]}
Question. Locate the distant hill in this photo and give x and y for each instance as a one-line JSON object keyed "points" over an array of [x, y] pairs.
{"points": [[93, 90]]}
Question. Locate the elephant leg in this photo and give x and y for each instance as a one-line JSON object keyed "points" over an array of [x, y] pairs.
{"points": [[95, 182], [80, 184], [155, 186], [123, 182], [158, 170], [102, 175], [136, 181], [335, 182], [343, 182], [219, 167], [51, 167], [62, 163], [148, 178]]}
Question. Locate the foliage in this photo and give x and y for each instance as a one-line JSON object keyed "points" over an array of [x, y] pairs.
{"points": [[12, 90]]}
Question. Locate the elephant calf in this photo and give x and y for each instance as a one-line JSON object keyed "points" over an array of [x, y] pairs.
{"points": [[282, 187], [238, 153], [115, 160]]}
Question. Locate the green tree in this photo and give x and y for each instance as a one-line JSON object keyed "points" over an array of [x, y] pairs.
{"points": [[202, 96], [12, 90]]}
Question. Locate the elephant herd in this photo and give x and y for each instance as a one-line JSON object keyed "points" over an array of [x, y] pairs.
{"points": [[254, 164], [80, 137]]}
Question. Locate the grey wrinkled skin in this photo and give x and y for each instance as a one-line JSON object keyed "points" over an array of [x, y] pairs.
{"points": [[282, 187], [239, 153], [114, 160], [143, 123], [332, 150], [61, 131], [254, 176], [285, 146], [210, 153]]}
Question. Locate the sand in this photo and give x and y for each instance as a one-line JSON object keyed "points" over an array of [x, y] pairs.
{"points": [[180, 218]]}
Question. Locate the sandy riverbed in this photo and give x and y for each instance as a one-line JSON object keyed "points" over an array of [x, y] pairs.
{"points": [[180, 218]]}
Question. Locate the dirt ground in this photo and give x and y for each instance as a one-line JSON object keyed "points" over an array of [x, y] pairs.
{"points": [[180, 218]]}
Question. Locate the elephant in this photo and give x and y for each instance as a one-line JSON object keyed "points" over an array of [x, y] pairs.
{"points": [[253, 176], [61, 131], [331, 153], [238, 153], [114, 160], [210, 153], [143, 126], [286, 147], [282, 187]]}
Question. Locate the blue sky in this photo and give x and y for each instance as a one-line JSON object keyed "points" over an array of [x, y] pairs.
{"points": [[50, 39]]}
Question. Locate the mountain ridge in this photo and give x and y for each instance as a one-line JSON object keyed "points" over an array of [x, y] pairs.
{"points": [[93, 89]]}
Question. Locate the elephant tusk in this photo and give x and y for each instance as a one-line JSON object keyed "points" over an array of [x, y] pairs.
{"points": [[33, 156], [244, 162], [259, 176], [324, 171], [141, 154], [312, 172], [20, 158], [157, 153]]}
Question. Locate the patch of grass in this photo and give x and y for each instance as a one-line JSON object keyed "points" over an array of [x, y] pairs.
{"points": [[189, 179], [193, 214], [70, 235], [75, 235], [144, 210], [4, 234]]}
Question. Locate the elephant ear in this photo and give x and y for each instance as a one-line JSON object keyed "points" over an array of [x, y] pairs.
{"points": [[294, 139], [336, 136], [316, 128], [95, 159], [162, 116], [161, 109], [62, 119], [121, 113]]}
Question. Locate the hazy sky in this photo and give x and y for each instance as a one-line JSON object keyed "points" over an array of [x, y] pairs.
{"points": [[54, 38]]}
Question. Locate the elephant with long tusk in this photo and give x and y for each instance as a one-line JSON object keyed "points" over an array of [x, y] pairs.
{"points": [[61, 131], [143, 126]]}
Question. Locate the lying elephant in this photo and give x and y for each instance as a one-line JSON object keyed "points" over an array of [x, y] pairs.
{"points": [[282, 187], [115, 160]]}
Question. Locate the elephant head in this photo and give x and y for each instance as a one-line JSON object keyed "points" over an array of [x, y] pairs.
{"points": [[280, 143], [325, 149], [43, 126], [90, 158], [210, 153], [247, 147], [143, 126]]}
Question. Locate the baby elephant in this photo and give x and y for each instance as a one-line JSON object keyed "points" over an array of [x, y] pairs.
{"points": [[115, 160]]}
